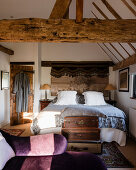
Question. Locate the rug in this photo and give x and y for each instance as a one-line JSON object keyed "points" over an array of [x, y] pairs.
{"points": [[113, 158], [15, 132]]}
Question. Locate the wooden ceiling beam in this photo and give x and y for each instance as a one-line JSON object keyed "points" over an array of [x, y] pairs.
{"points": [[66, 30], [129, 7], [6, 50], [117, 52], [109, 7], [117, 16], [101, 12], [111, 52], [104, 51], [60, 9], [105, 16], [125, 63], [104, 44], [76, 63], [125, 50], [79, 11], [134, 2]]}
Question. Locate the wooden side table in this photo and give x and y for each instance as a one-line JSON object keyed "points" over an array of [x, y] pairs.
{"points": [[44, 103]]}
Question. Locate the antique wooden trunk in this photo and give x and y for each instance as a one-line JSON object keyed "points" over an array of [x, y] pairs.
{"points": [[81, 122], [90, 134], [81, 128]]}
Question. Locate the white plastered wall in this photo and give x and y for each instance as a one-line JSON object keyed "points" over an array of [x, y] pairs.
{"points": [[123, 98], [4, 94]]}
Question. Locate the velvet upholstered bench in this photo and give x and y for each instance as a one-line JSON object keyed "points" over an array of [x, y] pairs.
{"points": [[48, 152]]}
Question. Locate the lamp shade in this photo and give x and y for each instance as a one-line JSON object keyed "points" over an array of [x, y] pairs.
{"points": [[45, 87], [110, 87]]}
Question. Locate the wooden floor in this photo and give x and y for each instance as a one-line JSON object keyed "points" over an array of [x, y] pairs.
{"points": [[129, 151]]}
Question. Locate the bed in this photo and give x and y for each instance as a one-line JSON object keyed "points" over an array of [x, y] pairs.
{"points": [[112, 121]]}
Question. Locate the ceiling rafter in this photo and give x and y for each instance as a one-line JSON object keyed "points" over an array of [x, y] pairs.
{"points": [[102, 13], [109, 43], [109, 7], [111, 52], [79, 10], [6, 50], [105, 51], [60, 9], [129, 7], [117, 16], [134, 2], [125, 63], [125, 49], [117, 51]]}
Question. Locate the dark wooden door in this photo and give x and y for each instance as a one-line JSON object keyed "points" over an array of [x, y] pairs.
{"points": [[23, 117]]}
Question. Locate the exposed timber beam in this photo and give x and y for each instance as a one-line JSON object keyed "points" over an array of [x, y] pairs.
{"points": [[111, 9], [125, 63], [6, 50], [117, 52], [117, 16], [79, 10], [60, 9], [129, 7], [101, 12], [76, 63], [105, 16], [134, 2], [104, 51], [110, 52], [66, 30]]}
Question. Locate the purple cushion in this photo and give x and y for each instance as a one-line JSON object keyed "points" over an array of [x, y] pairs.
{"points": [[65, 161], [40, 145]]}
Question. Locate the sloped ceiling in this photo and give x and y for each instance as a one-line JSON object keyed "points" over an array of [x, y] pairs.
{"points": [[42, 9]]}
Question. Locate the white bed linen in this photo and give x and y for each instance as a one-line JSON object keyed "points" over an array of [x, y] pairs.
{"points": [[47, 124]]}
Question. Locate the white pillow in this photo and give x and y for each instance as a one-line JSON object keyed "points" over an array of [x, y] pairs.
{"points": [[66, 98], [6, 152], [94, 98]]}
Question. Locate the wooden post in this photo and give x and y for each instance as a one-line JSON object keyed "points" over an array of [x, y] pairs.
{"points": [[79, 10]]}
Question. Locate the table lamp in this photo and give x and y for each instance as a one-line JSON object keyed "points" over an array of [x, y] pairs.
{"points": [[45, 87], [109, 88]]}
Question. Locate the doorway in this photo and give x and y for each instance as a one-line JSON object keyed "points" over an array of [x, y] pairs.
{"points": [[22, 117]]}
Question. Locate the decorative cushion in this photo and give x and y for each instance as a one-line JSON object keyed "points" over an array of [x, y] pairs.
{"points": [[94, 98], [80, 99], [6, 152], [66, 98], [39, 145]]}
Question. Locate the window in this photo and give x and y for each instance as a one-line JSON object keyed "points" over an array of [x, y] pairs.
{"points": [[134, 86]]}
